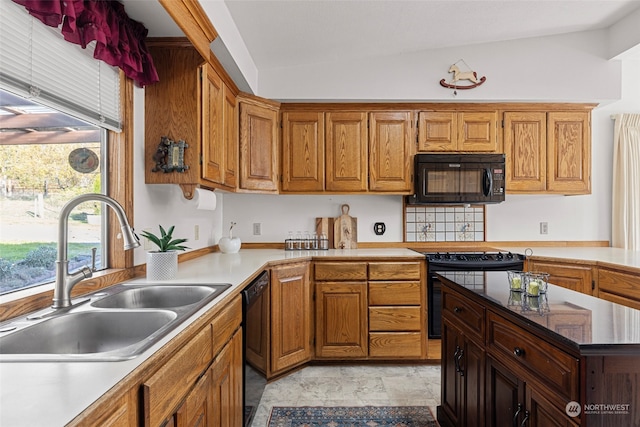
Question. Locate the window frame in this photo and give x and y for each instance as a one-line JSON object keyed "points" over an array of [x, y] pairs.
{"points": [[120, 188]]}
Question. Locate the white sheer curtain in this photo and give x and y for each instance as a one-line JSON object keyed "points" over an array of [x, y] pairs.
{"points": [[625, 215]]}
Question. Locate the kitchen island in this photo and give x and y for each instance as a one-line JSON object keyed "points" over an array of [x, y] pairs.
{"points": [[560, 359]]}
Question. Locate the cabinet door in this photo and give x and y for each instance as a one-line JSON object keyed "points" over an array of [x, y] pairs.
{"points": [[541, 413], [230, 119], [258, 148], [213, 148], [346, 151], [437, 131], [452, 346], [569, 149], [341, 319], [226, 385], [472, 371], [525, 149], [290, 316], [504, 396], [571, 276], [390, 152], [477, 131], [302, 151], [196, 410]]}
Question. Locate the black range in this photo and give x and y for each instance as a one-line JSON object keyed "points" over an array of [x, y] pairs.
{"points": [[472, 262]]}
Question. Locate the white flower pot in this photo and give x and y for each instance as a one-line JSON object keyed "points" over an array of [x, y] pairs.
{"points": [[162, 265]]}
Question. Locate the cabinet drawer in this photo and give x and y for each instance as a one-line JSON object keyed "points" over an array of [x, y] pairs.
{"points": [[341, 271], [225, 324], [465, 313], [538, 359], [395, 344], [167, 387], [394, 318], [395, 270], [619, 283], [394, 293]]}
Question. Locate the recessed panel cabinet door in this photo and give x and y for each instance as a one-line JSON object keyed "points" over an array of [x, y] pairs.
{"points": [[258, 148], [290, 316], [346, 151], [390, 151], [525, 148], [569, 149], [213, 149], [230, 115], [437, 131], [477, 131], [303, 151]]}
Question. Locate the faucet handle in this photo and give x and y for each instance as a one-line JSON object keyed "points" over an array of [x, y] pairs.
{"points": [[93, 259]]}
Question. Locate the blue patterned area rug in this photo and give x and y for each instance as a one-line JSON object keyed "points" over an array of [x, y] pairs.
{"points": [[352, 416]]}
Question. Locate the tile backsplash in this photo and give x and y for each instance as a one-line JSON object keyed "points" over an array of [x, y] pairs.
{"points": [[444, 224]]}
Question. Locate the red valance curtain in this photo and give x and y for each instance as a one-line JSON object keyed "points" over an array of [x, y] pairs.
{"points": [[120, 41]]}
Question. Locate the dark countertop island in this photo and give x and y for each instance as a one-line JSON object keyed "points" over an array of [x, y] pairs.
{"points": [[563, 358]]}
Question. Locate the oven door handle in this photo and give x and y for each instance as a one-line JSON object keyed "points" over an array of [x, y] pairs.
{"points": [[487, 182]]}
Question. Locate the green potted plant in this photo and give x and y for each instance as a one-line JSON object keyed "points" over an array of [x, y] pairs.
{"points": [[162, 264]]}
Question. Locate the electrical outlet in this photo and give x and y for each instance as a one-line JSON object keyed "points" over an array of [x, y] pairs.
{"points": [[544, 228], [257, 229], [196, 232]]}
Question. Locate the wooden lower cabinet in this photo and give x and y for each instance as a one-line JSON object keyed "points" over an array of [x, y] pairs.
{"points": [[291, 322], [370, 310], [622, 287], [226, 386], [574, 276], [463, 365], [512, 402], [341, 320], [201, 385]]}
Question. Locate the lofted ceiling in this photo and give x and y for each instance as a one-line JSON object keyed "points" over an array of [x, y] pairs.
{"points": [[301, 32]]}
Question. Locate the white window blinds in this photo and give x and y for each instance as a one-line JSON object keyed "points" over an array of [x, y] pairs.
{"points": [[37, 63]]}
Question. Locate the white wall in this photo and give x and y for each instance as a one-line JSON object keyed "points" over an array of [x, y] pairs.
{"points": [[570, 218]]}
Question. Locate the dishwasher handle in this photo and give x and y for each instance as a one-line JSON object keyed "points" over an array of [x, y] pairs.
{"points": [[256, 288]]}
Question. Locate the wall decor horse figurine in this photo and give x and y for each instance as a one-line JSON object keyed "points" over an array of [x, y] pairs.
{"points": [[462, 75]]}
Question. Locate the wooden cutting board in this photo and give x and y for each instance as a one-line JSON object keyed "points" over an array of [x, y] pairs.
{"points": [[345, 230]]}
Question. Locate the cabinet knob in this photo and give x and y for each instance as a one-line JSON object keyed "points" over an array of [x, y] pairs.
{"points": [[457, 309], [518, 351]]}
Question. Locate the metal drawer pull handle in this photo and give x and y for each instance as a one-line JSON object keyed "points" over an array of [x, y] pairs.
{"points": [[457, 309], [515, 417], [518, 352], [456, 358], [526, 418]]}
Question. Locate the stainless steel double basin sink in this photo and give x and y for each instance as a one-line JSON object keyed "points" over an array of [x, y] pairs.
{"points": [[117, 323]]}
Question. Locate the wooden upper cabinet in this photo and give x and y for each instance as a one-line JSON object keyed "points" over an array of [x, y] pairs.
{"points": [[548, 152], [230, 114], [466, 131], [346, 151], [303, 151], [213, 149], [390, 151], [569, 153], [525, 149], [258, 147]]}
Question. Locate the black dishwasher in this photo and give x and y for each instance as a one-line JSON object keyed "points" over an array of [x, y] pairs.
{"points": [[255, 317]]}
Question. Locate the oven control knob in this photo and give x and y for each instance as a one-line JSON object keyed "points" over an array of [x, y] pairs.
{"points": [[484, 257], [437, 255], [447, 256], [462, 257], [509, 255], [499, 256]]}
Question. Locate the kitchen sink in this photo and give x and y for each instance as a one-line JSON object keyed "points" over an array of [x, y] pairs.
{"points": [[119, 323], [160, 296]]}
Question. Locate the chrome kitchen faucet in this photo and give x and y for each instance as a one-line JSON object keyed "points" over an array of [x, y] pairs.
{"points": [[65, 281]]}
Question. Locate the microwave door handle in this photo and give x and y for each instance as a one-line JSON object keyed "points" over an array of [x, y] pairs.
{"points": [[487, 182]]}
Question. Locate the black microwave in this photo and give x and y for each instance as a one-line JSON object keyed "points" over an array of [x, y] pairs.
{"points": [[458, 179]]}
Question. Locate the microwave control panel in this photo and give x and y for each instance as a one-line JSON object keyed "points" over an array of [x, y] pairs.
{"points": [[498, 180]]}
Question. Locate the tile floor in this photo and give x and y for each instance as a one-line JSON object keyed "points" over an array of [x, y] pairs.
{"points": [[353, 385]]}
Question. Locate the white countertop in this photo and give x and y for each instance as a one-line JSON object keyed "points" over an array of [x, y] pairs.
{"points": [[613, 256], [50, 394]]}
